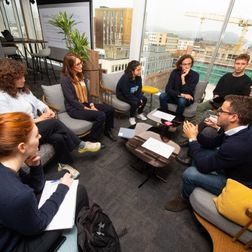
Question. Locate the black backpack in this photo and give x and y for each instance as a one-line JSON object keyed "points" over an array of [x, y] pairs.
{"points": [[96, 231]]}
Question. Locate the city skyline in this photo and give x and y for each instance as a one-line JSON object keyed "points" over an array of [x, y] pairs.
{"points": [[170, 16]]}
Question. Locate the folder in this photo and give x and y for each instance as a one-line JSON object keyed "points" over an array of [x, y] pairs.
{"points": [[64, 218]]}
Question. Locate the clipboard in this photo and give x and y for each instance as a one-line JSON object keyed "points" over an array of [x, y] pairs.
{"points": [[64, 218]]}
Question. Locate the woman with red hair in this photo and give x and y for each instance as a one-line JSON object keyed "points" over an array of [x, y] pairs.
{"points": [[21, 221]]}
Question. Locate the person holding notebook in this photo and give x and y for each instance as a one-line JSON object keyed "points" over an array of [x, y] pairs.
{"points": [[22, 223]]}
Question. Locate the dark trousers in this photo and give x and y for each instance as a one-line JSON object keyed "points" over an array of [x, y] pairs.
{"points": [[44, 241], [104, 115], [135, 105], [181, 102], [54, 132]]}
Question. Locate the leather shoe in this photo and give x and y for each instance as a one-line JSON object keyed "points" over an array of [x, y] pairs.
{"points": [[184, 143], [110, 135], [177, 204], [184, 160]]}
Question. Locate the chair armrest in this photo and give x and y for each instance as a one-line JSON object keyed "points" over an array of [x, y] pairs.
{"points": [[106, 94], [243, 229]]}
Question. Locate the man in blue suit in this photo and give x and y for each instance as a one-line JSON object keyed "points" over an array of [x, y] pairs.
{"points": [[233, 158]]}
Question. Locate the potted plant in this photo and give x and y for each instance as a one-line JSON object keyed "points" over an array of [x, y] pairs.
{"points": [[78, 44], [75, 41]]}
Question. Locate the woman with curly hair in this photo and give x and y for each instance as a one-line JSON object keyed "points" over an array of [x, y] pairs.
{"points": [[15, 96], [129, 89]]}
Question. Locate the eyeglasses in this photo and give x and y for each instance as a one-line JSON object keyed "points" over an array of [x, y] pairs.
{"points": [[78, 64], [220, 110]]}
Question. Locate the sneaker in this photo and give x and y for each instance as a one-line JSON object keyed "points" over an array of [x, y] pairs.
{"points": [[90, 147], [177, 204], [74, 173], [132, 120], [141, 117]]}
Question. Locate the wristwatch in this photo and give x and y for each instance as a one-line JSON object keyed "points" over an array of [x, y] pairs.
{"points": [[192, 139]]}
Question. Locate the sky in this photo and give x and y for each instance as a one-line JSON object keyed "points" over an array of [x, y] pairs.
{"points": [[168, 15]]}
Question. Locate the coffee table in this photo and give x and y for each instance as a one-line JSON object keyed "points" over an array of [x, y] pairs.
{"points": [[150, 158]]}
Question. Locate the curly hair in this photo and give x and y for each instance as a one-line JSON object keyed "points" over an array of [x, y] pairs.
{"points": [[10, 71], [182, 58], [242, 106], [132, 65], [68, 64]]}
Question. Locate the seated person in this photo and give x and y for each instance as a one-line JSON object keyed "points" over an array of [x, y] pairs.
{"points": [[232, 158], [16, 97], [129, 89], [78, 102], [236, 83], [180, 87], [22, 222]]}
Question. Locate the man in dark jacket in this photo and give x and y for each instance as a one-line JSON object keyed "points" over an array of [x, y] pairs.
{"points": [[180, 87], [233, 159]]}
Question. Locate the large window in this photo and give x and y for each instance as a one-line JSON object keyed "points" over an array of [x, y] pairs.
{"points": [[214, 34], [112, 32]]}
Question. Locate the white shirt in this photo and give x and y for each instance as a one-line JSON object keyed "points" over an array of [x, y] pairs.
{"points": [[24, 102], [235, 130]]}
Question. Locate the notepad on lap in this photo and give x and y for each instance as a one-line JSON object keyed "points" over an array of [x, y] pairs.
{"points": [[158, 147], [65, 216]]}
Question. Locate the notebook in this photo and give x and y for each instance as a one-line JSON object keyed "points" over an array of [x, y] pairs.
{"points": [[126, 133], [160, 148], [64, 218]]}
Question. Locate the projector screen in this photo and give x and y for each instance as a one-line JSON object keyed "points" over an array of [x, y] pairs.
{"points": [[81, 11]]}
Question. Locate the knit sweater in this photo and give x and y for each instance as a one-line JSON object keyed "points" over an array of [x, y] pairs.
{"points": [[229, 84], [233, 158], [19, 213]]}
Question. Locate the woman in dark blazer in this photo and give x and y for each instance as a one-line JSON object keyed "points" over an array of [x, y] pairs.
{"points": [[78, 102]]}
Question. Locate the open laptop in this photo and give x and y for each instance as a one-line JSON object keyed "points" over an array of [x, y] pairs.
{"points": [[126, 133]]}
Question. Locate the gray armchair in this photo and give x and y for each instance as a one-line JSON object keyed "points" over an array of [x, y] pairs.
{"points": [[108, 92], [54, 98], [190, 111]]}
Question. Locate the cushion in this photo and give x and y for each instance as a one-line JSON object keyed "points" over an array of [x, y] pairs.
{"points": [[110, 80], [233, 202], [120, 105], [78, 126], [202, 203], [54, 96]]}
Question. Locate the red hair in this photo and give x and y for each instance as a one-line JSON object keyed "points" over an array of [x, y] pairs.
{"points": [[14, 129]]}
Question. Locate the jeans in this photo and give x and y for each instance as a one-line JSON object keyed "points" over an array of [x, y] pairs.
{"points": [[211, 182], [181, 102]]}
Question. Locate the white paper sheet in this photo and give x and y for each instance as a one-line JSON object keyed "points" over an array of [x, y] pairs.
{"points": [[162, 115], [158, 147], [64, 218]]}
